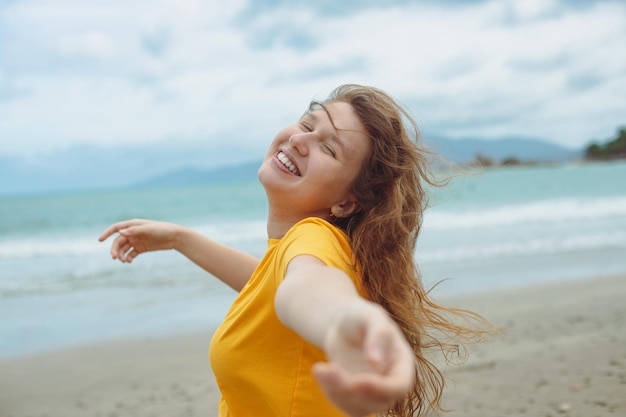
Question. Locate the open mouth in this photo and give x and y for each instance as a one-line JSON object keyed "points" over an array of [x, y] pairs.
{"points": [[287, 163]]}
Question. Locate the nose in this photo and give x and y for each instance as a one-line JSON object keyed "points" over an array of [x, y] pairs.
{"points": [[298, 141]]}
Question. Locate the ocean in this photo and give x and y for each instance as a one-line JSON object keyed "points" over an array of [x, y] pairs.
{"points": [[501, 228]]}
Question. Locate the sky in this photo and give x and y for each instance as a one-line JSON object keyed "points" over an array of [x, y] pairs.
{"points": [[118, 73]]}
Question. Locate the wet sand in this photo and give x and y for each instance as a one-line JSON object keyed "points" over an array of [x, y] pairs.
{"points": [[562, 353]]}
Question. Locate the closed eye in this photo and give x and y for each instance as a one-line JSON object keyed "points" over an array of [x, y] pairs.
{"points": [[306, 126], [330, 150]]}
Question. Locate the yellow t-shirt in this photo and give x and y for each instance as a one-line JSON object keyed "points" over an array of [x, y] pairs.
{"points": [[263, 369]]}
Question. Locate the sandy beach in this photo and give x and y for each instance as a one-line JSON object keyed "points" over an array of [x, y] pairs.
{"points": [[562, 353]]}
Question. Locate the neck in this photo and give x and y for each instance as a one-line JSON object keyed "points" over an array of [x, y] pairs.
{"points": [[278, 229], [278, 224]]}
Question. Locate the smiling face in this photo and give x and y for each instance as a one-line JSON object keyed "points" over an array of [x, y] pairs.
{"points": [[311, 165]]}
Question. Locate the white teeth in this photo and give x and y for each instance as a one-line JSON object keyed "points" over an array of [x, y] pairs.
{"points": [[287, 163]]}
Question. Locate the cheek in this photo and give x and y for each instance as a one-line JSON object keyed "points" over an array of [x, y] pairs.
{"points": [[337, 180]]}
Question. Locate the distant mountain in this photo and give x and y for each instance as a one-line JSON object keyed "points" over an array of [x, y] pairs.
{"points": [[97, 167], [455, 150], [524, 149], [179, 163], [191, 176]]}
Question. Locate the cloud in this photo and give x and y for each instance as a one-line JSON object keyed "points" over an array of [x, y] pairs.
{"points": [[156, 42], [91, 44], [116, 73]]}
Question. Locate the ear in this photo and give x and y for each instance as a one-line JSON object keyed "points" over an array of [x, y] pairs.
{"points": [[345, 209]]}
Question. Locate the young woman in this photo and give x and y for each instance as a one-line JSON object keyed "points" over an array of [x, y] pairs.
{"points": [[334, 319]]}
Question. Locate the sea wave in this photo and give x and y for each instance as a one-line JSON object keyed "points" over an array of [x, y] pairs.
{"points": [[544, 245], [56, 244], [549, 218], [547, 211]]}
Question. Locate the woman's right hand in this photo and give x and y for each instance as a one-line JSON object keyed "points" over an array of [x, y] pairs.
{"points": [[138, 236]]}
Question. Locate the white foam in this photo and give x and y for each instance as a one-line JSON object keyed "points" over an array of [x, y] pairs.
{"points": [[35, 247], [61, 245], [524, 247], [550, 211]]}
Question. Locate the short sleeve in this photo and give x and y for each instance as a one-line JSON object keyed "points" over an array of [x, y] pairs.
{"points": [[315, 237]]}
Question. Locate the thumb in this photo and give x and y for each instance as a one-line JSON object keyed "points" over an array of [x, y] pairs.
{"points": [[326, 373], [129, 231], [331, 378]]}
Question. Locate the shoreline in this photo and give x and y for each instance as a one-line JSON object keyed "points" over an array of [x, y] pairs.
{"points": [[51, 322], [563, 352]]}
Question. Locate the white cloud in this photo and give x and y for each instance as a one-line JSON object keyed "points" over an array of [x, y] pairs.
{"points": [[532, 9], [92, 43], [119, 72]]}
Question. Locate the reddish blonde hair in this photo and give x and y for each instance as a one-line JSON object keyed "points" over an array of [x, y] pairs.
{"points": [[391, 191]]}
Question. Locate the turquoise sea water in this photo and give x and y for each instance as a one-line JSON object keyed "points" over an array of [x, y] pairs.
{"points": [[502, 228]]}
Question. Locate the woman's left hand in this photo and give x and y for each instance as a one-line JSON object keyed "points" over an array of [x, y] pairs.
{"points": [[371, 365]]}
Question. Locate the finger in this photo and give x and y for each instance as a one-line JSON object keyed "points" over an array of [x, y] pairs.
{"points": [[109, 231], [335, 380], [361, 394], [128, 231], [377, 391], [402, 370], [327, 374], [378, 348], [117, 245], [332, 379], [402, 357], [132, 254], [115, 228], [124, 251], [390, 356]]}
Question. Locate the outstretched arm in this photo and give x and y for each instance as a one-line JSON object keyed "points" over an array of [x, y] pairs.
{"points": [[138, 236], [371, 365]]}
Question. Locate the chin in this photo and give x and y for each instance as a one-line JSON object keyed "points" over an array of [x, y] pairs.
{"points": [[264, 173]]}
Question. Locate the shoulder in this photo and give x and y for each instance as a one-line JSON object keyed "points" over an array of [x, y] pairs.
{"points": [[314, 227], [317, 237]]}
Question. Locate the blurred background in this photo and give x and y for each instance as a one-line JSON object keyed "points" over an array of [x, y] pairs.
{"points": [[109, 93], [164, 109]]}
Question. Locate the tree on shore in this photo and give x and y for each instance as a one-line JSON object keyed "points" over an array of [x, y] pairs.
{"points": [[613, 149]]}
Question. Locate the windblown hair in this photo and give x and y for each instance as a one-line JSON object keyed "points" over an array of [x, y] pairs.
{"points": [[391, 191]]}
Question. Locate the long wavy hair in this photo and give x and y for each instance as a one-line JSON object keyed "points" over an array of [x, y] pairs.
{"points": [[391, 191]]}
